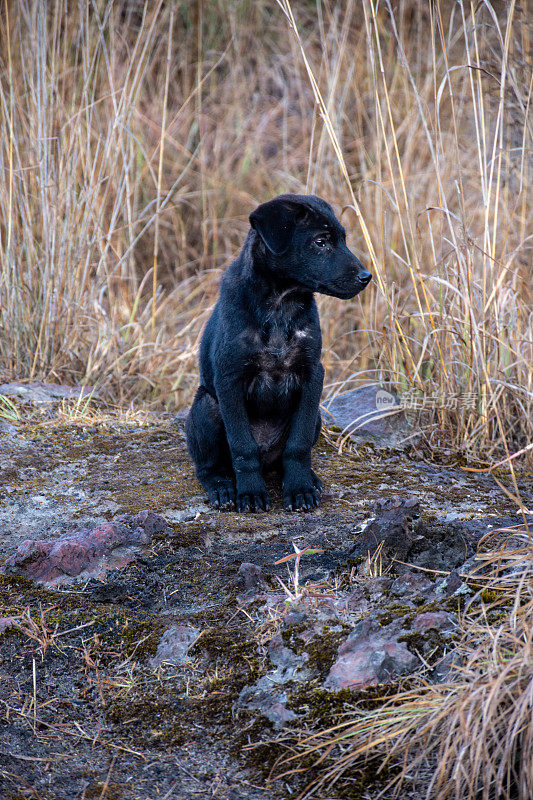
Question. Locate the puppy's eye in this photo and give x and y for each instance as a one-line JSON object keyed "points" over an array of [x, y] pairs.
{"points": [[321, 241]]}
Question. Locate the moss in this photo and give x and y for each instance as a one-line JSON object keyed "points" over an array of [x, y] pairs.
{"points": [[15, 583], [493, 595], [153, 719], [323, 649], [398, 611], [237, 653], [453, 604], [419, 600], [140, 637], [162, 716], [12, 632], [431, 642], [235, 662], [149, 469], [323, 709], [291, 637], [184, 534], [109, 629], [222, 641], [250, 747], [319, 706], [139, 482]]}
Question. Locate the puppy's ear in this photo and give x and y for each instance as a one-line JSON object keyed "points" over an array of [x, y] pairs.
{"points": [[275, 222]]}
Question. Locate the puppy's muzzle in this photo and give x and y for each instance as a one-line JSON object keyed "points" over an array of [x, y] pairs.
{"points": [[363, 278]]}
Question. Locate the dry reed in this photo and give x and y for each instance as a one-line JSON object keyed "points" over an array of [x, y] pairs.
{"points": [[136, 137]]}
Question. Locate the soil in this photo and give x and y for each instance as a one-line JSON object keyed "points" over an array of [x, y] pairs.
{"points": [[89, 706]]}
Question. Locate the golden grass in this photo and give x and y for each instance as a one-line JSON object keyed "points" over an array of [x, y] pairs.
{"points": [[135, 139]]}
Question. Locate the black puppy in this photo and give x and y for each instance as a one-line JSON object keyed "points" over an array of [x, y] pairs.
{"points": [[260, 371]]}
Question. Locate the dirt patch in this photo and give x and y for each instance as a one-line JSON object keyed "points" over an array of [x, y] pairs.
{"points": [[148, 680]]}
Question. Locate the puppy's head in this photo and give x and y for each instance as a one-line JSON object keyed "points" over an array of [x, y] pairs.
{"points": [[305, 244]]}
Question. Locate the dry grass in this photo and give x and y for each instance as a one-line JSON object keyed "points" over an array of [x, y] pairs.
{"points": [[471, 737], [136, 137]]}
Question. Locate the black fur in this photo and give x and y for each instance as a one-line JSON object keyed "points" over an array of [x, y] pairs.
{"points": [[260, 373]]}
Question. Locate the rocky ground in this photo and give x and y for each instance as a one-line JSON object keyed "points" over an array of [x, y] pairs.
{"points": [[153, 648]]}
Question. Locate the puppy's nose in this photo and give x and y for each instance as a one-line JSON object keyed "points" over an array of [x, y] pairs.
{"points": [[364, 276]]}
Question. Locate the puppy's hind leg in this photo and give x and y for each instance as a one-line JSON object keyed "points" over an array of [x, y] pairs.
{"points": [[208, 448]]}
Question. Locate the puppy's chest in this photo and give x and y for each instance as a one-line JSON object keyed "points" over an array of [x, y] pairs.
{"points": [[279, 359]]}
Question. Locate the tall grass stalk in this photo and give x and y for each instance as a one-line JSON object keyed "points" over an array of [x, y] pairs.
{"points": [[79, 196], [468, 327], [136, 138]]}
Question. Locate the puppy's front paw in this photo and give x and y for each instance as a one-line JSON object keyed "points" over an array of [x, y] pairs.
{"points": [[317, 483], [222, 495], [252, 493], [302, 494], [253, 501]]}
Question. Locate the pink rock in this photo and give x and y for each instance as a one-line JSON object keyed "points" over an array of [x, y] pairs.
{"points": [[410, 584], [88, 551], [371, 654], [440, 620]]}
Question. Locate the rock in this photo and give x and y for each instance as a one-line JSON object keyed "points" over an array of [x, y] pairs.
{"points": [[294, 618], [371, 415], [179, 418], [270, 704], [268, 695], [442, 547], [396, 524], [112, 592], [379, 587], [411, 584], [174, 645], [371, 654], [189, 581], [280, 655], [38, 392], [355, 597], [356, 600], [446, 668], [436, 620], [450, 584], [6, 622], [7, 429], [250, 574], [88, 552]]}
